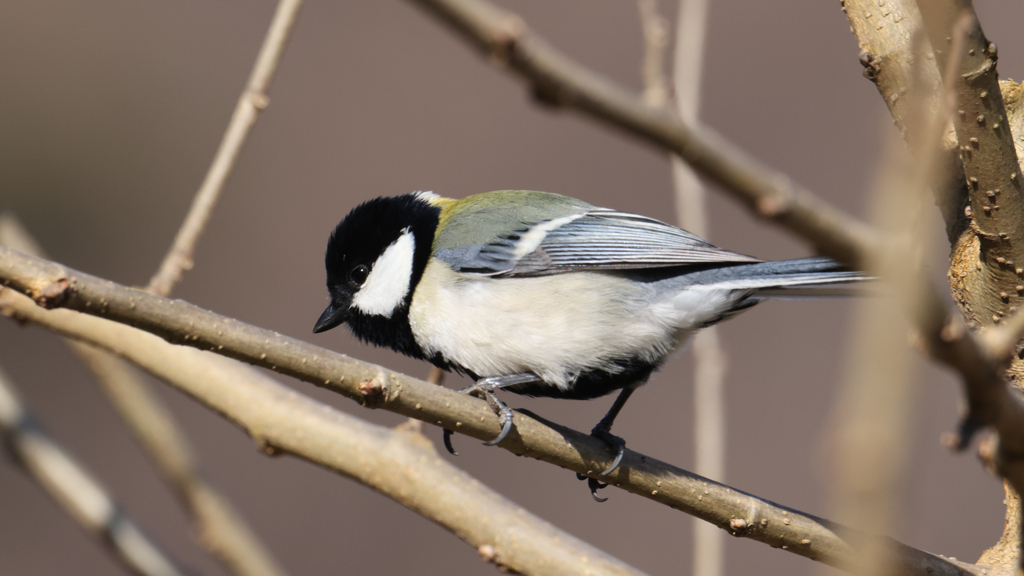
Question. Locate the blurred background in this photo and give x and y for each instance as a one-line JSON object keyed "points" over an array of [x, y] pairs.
{"points": [[110, 113]]}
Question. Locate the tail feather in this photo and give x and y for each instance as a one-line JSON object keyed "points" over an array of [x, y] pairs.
{"points": [[801, 278]]}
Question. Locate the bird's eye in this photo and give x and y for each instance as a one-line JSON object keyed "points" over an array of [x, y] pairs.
{"points": [[359, 274]]}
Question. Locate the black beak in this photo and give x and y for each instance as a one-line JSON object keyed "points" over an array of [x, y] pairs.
{"points": [[331, 318]]}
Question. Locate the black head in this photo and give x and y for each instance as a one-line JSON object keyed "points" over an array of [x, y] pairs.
{"points": [[375, 258]]}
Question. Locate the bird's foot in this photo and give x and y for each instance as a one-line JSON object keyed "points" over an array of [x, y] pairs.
{"points": [[484, 388], [618, 447], [616, 444]]}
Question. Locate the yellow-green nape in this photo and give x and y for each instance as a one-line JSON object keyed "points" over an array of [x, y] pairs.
{"points": [[481, 218]]}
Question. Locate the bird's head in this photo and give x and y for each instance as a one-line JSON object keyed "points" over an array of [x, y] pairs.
{"points": [[375, 257]]}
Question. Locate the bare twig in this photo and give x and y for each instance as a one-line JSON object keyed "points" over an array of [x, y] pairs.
{"points": [[874, 411], [178, 322], [708, 354], [253, 99], [436, 376], [220, 528], [655, 32], [557, 80], [398, 463], [75, 489]]}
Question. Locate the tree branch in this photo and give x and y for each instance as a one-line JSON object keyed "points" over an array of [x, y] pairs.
{"points": [[983, 277], [52, 285], [556, 80], [220, 528], [400, 463], [252, 101], [559, 81], [75, 489], [887, 36], [709, 358]]}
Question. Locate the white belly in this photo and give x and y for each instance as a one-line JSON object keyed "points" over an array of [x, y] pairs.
{"points": [[554, 326]]}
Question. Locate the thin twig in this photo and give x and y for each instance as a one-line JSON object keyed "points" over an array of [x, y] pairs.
{"points": [[253, 100], [559, 81], [874, 412], [398, 463], [220, 528], [75, 489], [708, 354], [655, 33], [52, 285]]}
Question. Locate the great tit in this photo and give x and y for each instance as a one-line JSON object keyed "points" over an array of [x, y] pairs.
{"points": [[541, 294]]}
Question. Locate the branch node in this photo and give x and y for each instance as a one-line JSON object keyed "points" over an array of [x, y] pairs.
{"points": [[738, 525], [373, 392], [264, 445], [775, 206], [872, 65], [259, 100], [490, 555], [506, 35], [52, 294]]}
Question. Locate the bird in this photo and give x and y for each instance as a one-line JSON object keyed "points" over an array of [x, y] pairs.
{"points": [[542, 294]]}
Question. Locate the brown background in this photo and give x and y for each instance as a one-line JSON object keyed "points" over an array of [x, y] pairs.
{"points": [[109, 115]]}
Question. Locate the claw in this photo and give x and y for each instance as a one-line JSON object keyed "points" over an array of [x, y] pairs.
{"points": [[505, 419], [594, 486], [614, 442], [448, 442], [484, 388]]}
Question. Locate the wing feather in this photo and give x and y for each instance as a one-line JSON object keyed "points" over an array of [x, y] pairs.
{"points": [[593, 239]]}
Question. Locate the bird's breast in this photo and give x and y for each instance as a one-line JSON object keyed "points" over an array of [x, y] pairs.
{"points": [[554, 326]]}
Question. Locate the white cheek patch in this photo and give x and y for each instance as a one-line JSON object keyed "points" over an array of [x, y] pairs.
{"points": [[388, 282]]}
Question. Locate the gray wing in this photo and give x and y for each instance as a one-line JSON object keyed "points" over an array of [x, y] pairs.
{"points": [[596, 239]]}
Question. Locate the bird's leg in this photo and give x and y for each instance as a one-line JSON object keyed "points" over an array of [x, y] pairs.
{"points": [[484, 388], [603, 432]]}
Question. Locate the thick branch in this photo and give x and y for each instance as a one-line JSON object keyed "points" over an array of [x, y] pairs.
{"points": [[75, 489], [557, 80], [887, 36], [253, 100], [982, 272], [991, 167], [52, 285]]}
